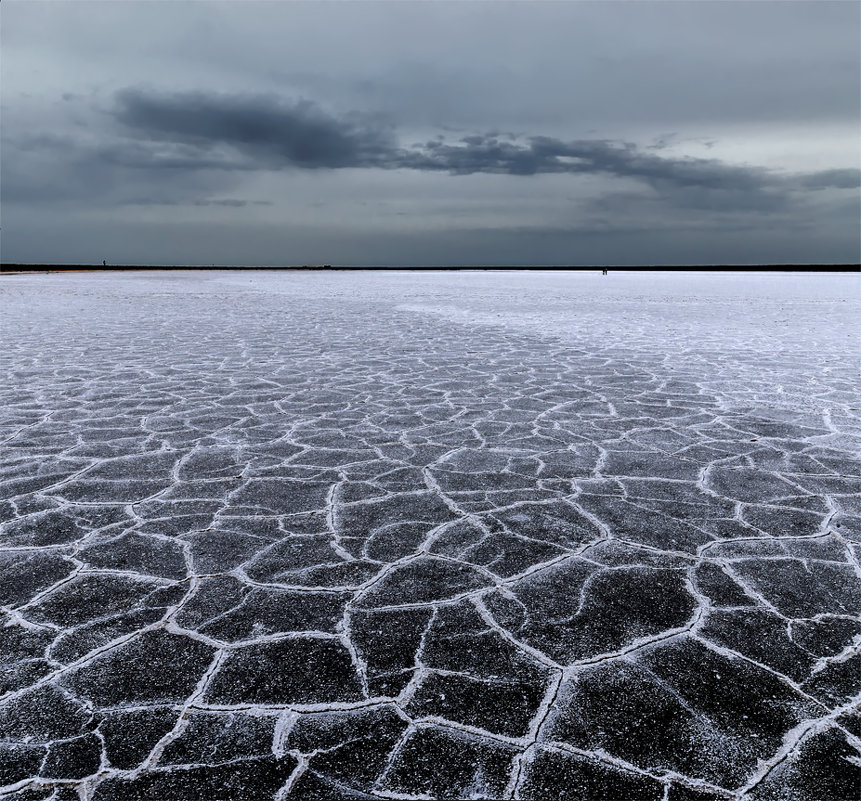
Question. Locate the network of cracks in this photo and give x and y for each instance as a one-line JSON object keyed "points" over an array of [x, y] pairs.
{"points": [[342, 551]]}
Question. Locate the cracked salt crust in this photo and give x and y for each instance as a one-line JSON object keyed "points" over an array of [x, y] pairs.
{"points": [[437, 536]]}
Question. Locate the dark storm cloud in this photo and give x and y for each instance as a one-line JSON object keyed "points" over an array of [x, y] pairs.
{"points": [[298, 133], [265, 132]]}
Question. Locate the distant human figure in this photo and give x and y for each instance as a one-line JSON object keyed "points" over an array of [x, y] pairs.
{"points": [[603, 272], [104, 263]]}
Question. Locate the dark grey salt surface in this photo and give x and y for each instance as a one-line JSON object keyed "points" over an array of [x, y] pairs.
{"points": [[430, 536]]}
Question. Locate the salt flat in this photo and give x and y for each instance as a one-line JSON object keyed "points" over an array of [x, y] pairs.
{"points": [[394, 535]]}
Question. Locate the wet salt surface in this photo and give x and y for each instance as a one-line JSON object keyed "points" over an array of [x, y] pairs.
{"points": [[392, 535]]}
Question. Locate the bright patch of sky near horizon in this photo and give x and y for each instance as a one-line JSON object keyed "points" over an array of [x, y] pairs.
{"points": [[154, 132]]}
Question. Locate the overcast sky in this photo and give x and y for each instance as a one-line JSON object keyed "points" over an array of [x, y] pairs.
{"points": [[432, 133]]}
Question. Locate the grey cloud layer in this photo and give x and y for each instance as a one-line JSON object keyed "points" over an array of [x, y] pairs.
{"points": [[524, 133], [192, 148], [300, 134], [266, 132]]}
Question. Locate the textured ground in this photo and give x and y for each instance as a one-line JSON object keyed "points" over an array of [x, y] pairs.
{"points": [[430, 536]]}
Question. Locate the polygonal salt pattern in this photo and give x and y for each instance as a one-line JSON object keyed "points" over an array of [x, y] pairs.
{"points": [[383, 536]]}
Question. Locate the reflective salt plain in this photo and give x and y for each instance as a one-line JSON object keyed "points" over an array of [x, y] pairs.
{"points": [[393, 535]]}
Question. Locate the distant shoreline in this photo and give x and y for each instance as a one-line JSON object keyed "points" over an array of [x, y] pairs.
{"points": [[12, 269]]}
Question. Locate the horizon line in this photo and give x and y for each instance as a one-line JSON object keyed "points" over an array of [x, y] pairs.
{"points": [[23, 267]]}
